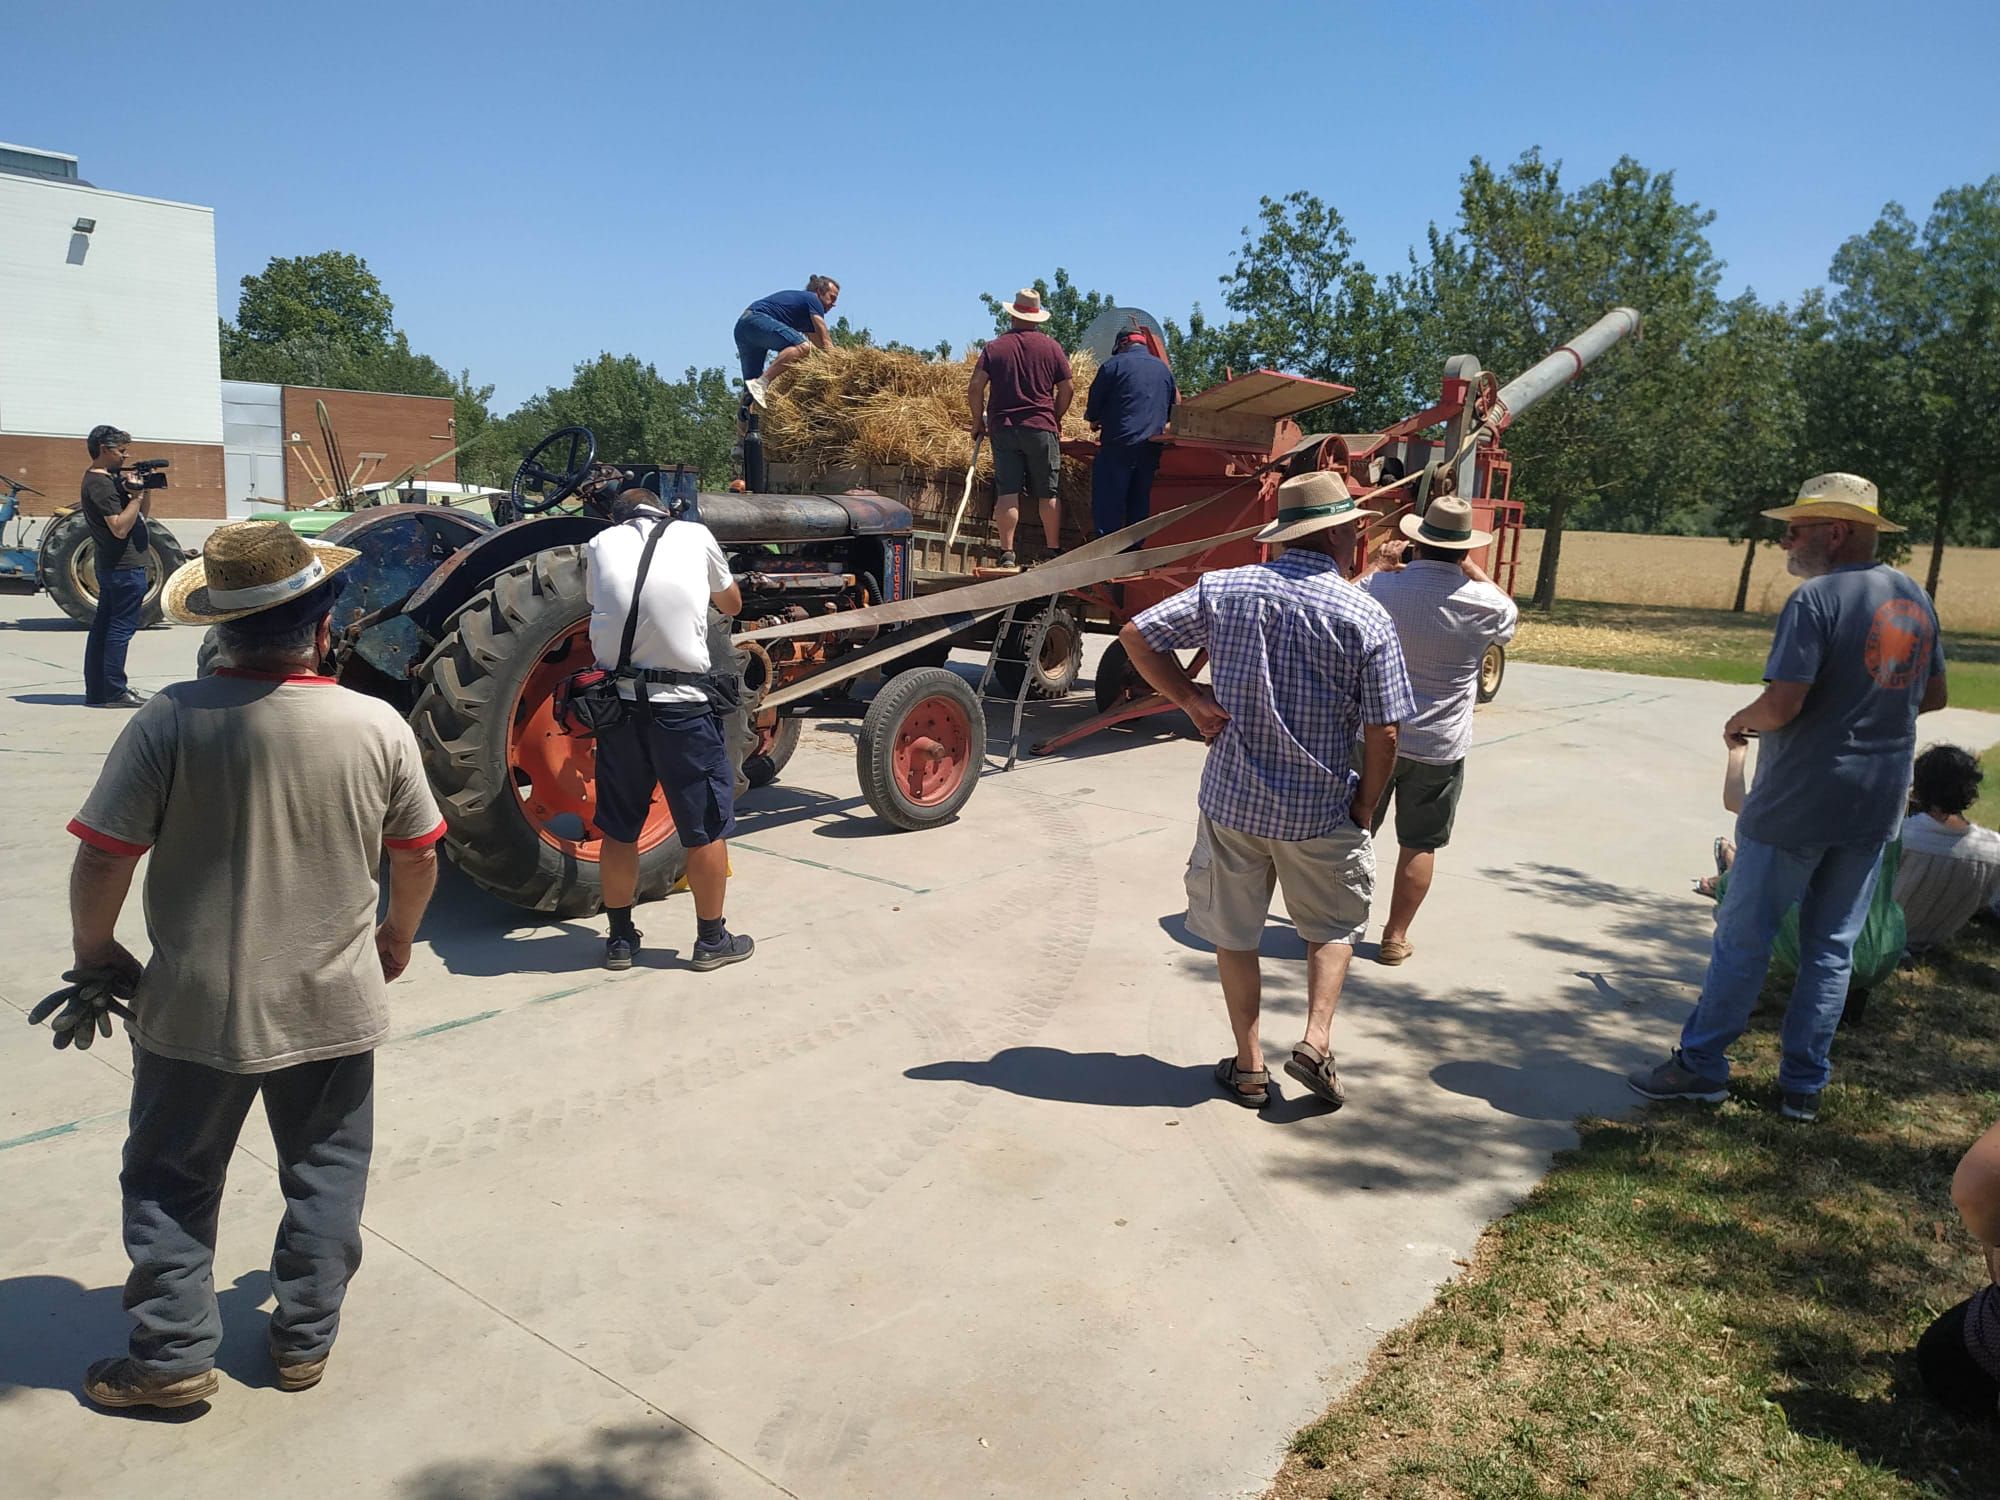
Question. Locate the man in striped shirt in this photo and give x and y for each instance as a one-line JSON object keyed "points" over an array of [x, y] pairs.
{"points": [[1951, 866], [1301, 660], [1447, 613]]}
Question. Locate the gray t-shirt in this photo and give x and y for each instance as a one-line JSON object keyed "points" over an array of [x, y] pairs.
{"points": [[266, 802], [1866, 638]]}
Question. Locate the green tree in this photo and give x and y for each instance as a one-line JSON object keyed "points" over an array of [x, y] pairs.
{"points": [[1915, 363], [637, 416], [329, 295], [1531, 263], [1070, 309], [846, 336]]}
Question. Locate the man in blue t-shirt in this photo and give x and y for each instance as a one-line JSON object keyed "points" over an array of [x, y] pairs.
{"points": [[1129, 402], [1855, 660], [785, 324]]}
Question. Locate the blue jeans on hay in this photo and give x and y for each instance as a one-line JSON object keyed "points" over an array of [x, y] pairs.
{"points": [[185, 1121], [758, 336], [1832, 884], [121, 600]]}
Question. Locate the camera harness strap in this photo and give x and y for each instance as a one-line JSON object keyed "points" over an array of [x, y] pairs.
{"points": [[624, 667]]}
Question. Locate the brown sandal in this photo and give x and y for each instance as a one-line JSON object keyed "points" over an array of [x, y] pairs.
{"points": [[1314, 1069], [1232, 1078]]}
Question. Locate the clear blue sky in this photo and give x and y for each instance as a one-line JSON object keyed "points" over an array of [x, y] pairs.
{"points": [[535, 183]]}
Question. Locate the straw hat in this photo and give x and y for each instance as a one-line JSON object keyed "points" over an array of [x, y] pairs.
{"points": [[1027, 307], [1313, 502], [1836, 497], [247, 568], [1448, 523]]}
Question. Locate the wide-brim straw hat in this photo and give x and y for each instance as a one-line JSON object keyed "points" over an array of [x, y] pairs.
{"points": [[1836, 497], [247, 568], [1448, 524], [1027, 307], [1313, 502]]}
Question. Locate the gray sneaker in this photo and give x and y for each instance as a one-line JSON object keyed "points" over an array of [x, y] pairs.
{"points": [[1801, 1107], [1670, 1080]]}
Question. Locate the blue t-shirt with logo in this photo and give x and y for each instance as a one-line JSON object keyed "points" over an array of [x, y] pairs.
{"points": [[1866, 638], [793, 309]]}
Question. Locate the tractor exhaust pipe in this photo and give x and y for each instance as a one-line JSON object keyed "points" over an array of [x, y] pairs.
{"points": [[1561, 367]]}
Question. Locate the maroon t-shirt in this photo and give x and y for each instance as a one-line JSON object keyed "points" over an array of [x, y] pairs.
{"points": [[1024, 368]]}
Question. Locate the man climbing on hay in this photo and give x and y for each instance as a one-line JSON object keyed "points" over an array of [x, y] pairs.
{"points": [[786, 324], [1020, 389]]}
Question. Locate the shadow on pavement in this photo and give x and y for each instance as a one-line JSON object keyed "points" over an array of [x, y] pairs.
{"points": [[52, 700], [1131, 1080], [619, 1463]]}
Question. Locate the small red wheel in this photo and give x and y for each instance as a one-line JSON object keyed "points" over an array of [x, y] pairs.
{"points": [[921, 747]]}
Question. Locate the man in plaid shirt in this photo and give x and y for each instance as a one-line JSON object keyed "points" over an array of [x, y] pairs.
{"points": [[1298, 657]]}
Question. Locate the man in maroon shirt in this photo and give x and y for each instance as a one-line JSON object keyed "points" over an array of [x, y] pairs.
{"points": [[1020, 389]]}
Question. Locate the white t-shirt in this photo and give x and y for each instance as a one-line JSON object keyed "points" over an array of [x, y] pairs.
{"points": [[1445, 622], [688, 567]]}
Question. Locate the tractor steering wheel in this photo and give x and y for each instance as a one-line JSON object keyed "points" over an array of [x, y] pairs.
{"points": [[554, 469]]}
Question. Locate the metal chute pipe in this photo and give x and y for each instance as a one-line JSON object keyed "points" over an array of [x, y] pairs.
{"points": [[1561, 367]]}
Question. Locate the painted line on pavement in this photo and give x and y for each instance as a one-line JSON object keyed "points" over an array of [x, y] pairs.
{"points": [[56, 1130], [814, 864]]}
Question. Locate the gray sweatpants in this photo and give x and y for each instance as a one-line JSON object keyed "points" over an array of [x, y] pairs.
{"points": [[185, 1121]]}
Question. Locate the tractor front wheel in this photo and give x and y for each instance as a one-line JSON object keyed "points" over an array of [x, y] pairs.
{"points": [[1048, 649], [1492, 669], [66, 564], [519, 795], [922, 743]]}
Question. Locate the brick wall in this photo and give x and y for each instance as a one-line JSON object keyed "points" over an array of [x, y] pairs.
{"points": [[409, 429], [55, 466]]}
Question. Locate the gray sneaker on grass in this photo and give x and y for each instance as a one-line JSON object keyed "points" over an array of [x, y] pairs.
{"points": [[1672, 1080]]}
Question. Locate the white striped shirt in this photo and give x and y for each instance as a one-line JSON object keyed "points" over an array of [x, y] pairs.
{"points": [[1445, 621], [1947, 874]]}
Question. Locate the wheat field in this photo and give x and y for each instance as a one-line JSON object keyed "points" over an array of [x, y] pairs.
{"points": [[1701, 572]]}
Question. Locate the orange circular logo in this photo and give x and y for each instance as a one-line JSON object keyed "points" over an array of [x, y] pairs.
{"points": [[1899, 643]]}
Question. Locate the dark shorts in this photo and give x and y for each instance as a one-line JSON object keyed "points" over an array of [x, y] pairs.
{"points": [[1426, 799], [1121, 486], [683, 753], [1026, 460], [758, 336]]}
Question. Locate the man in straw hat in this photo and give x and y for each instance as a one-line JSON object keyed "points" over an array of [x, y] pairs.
{"points": [[1019, 390], [267, 795], [1447, 612], [1298, 656], [1856, 658]]}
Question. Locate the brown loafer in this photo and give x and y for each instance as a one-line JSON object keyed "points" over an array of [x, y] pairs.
{"points": [[125, 1382], [1393, 951]]}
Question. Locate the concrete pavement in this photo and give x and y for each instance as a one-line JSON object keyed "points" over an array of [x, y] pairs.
{"points": [[934, 1196]]}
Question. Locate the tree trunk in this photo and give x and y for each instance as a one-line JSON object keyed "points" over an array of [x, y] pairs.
{"points": [[1545, 568], [1743, 579], [1937, 539]]}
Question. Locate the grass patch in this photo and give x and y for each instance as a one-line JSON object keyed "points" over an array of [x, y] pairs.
{"points": [[1710, 1301], [1668, 641]]}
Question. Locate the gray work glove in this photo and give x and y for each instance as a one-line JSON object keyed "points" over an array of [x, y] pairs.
{"points": [[87, 1002]]}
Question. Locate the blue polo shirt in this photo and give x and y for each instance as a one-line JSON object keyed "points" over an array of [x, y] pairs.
{"points": [[1131, 396], [793, 309]]}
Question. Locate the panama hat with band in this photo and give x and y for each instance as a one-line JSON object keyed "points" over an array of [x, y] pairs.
{"points": [[1836, 497], [248, 569], [1313, 502], [1027, 307], [1448, 524]]}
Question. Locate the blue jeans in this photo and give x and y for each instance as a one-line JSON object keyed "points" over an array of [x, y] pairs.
{"points": [[1832, 884], [185, 1121], [121, 600], [1121, 486], [759, 335]]}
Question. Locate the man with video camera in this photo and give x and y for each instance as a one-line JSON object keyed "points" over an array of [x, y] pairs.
{"points": [[117, 498]]}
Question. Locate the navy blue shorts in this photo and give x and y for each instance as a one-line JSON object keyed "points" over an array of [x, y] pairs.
{"points": [[681, 750], [1121, 486]]}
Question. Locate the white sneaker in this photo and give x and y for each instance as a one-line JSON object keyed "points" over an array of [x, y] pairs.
{"points": [[757, 392]]}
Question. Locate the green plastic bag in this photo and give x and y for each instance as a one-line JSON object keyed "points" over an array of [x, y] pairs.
{"points": [[1883, 935]]}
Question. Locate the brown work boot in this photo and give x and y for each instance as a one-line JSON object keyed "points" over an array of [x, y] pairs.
{"points": [[124, 1382], [298, 1375]]}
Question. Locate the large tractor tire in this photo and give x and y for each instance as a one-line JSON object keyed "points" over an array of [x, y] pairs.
{"points": [[67, 566], [922, 743], [518, 794], [1048, 649], [771, 746], [1114, 676]]}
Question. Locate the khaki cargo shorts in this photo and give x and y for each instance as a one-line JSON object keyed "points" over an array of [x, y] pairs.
{"points": [[1328, 884]]}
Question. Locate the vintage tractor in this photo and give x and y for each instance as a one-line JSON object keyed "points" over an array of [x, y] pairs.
{"points": [[63, 562], [468, 627]]}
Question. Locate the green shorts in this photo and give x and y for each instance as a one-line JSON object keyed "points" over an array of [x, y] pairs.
{"points": [[1426, 798]]}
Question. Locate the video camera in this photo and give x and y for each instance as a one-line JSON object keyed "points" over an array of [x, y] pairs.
{"points": [[149, 472]]}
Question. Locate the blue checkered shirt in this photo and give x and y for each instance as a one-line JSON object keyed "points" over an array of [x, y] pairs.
{"points": [[1299, 658]]}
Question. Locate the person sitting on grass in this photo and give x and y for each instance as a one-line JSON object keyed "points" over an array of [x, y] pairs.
{"points": [[1951, 867], [1959, 1354]]}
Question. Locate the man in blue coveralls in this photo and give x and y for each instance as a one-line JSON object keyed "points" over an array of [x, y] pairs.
{"points": [[1129, 403]]}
